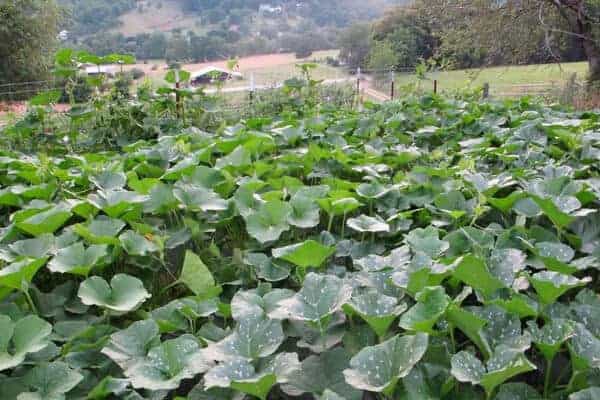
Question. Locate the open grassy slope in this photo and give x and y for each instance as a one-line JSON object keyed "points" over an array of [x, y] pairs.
{"points": [[506, 80]]}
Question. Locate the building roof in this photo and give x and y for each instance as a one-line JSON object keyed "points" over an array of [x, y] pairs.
{"points": [[210, 69], [102, 69]]}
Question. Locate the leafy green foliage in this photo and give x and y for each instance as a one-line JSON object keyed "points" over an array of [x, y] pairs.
{"points": [[303, 256], [378, 368], [27, 335], [124, 294]]}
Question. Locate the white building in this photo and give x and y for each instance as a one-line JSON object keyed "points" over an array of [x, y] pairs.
{"points": [[108, 70], [63, 35], [270, 9]]}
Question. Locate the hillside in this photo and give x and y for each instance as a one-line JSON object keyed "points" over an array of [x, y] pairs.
{"points": [[200, 30], [131, 17]]}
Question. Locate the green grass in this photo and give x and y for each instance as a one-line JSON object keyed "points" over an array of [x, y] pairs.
{"points": [[268, 75], [505, 80], [278, 74], [274, 74], [7, 118]]}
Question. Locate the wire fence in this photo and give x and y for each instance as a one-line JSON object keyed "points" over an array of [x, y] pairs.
{"points": [[398, 82], [368, 84], [24, 90]]}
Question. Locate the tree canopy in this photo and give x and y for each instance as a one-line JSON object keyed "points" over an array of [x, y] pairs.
{"points": [[510, 31], [28, 30]]}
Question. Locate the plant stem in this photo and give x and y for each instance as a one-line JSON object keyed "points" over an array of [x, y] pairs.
{"points": [[547, 377], [30, 301], [452, 339]]}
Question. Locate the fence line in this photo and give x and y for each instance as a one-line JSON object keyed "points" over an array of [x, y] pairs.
{"points": [[378, 84], [25, 83]]}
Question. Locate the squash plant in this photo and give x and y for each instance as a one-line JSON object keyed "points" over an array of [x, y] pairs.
{"points": [[432, 248]]}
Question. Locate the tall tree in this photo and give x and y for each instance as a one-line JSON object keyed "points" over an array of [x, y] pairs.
{"points": [[28, 31], [509, 28], [355, 45]]}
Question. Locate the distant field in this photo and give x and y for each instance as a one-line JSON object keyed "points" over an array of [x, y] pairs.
{"points": [[267, 69], [166, 15], [166, 18], [510, 80]]}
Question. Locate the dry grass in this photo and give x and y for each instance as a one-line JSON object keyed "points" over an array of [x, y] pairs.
{"points": [[267, 68], [170, 16]]}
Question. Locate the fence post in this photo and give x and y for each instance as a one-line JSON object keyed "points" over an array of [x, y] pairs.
{"points": [[393, 83], [358, 86], [177, 96], [435, 86], [486, 90], [252, 89]]}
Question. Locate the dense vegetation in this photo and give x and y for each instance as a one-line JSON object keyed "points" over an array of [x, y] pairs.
{"points": [[88, 16], [476, 33], [222, 29], [28, 31], [425, 248]]}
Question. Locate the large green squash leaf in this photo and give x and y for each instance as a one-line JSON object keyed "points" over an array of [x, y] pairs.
{"points": [[505, 363], [48, 221], [378, 368], [304, 255], [17, 339], [322, 373], [166, 365], [378, 310], [241, 375], [101, 231], [320, 296], [13, 275], [254, 337], [78, 260], [124, 294], [197, 277], [269, 222], [431, 305], [50, 381], [550, 285], [475, 273]]}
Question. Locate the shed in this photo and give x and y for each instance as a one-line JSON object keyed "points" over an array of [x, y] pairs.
{"points": [[108, 70], [212, 74]]}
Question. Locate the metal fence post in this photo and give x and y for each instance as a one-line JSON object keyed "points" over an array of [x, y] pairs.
{"points": [[393, 83], [177, 96], [252, 86], [252, 89], [486, 90], [358, 86], [435, 86]]}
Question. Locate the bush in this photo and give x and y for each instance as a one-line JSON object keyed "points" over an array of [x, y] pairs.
{"points": [[333, 61], [137, 73], [121, 85], [303, 53], [80, 89]]}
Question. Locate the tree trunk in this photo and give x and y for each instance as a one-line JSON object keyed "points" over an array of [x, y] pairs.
{"points": [[585, 30], [592, 52], [574, 12]]}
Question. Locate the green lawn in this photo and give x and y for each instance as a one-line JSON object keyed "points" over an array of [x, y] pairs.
{"points": [[505, 80], [6, 118], [280, 73]]}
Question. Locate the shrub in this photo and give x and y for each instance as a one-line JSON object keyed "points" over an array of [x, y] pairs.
{"points": [[122, 85], [303, 53], [137, 73], [80, 89]]}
